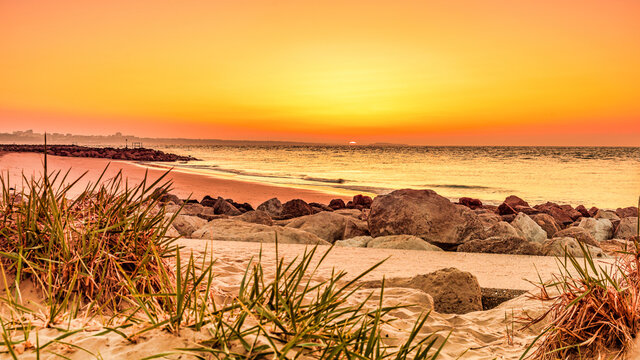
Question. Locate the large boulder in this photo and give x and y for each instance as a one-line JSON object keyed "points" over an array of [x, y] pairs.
{"points": [[256, 217], [583, 211], [236, 230], [358, 241], [528, 228], [273, 207], [453, 291], [560, 246], [328, 225], [296, 208], [186, 225], [425, 214], [515, 245], [354, 213], [403, 242], [547, 223], [627, 228], [600, 229], [580, 234]]}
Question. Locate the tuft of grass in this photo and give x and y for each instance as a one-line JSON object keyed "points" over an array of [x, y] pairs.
{"points": [[595, 311]]}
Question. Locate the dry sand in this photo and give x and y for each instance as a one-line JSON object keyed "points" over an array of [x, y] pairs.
{"points": [[477, 335]]}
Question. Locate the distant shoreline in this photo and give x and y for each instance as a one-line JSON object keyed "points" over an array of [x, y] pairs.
{"points": [[126, 153]]}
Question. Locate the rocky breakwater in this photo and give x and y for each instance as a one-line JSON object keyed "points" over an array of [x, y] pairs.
{"points": [[137, 154]]}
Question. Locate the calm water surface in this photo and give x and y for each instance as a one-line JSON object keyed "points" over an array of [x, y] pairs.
{"points": [[604, 177]]}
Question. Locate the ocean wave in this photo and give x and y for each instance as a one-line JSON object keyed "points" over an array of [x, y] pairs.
{"points": [[458, 186], [332, 181]]}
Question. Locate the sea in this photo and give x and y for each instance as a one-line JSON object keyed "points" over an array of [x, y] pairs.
{"points": [[606, 177]]}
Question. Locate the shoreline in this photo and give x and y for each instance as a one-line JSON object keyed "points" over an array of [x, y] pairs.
{"points": [[185, 183]]}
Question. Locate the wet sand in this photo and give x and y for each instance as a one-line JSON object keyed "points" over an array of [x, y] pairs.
{"points": [[185, 184]]}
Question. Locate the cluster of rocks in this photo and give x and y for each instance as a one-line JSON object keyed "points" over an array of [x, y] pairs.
{"points": [[414, 220], [411, 220], [137, 154]]}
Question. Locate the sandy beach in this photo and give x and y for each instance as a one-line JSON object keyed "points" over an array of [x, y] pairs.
{"points": [[490, 334], [185, 184]]}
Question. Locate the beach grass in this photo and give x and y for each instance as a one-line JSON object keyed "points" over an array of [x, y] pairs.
{"points": [[105, 256], [595, 311]]}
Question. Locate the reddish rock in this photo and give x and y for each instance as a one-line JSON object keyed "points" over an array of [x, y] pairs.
{"points": [[470, 203], [296, 208], [525, 209], [514, 201], [208, 201], [630, 211], [505, 209], [583, 211], [563, 214], [593, 211], [508, 217], [363, 200], [337, 204]]}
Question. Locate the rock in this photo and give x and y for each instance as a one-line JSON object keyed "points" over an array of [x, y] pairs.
{"points": [[208, 201], [609, 215], [563, 214], [337, 204], [579, 234], [529, 229], [272, 206], [172, 232], [559, 245], [583, 211], [208, 214], [526, 210], [425, 214], [505, 209], [515, 245], [237, 230], [503, 229], [514, 201], [358, 241], [600, 229], [489, 219], [630, 211], [362, 200], [627, 228], [256, 217], [320, 207], [453, 291], [192, 209], [470, 203], [593, 211], [296, 208], [170, 199], [329, 226], [354, 213], [547, 223], [355, 227], [223, 207], [404, 242], [186, 225], [243, 207]]}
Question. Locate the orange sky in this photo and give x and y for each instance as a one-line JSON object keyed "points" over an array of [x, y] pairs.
{"points": [[441, 72]]}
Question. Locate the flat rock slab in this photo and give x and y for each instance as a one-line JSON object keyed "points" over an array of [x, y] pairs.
{"points": [[496, 271]]}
